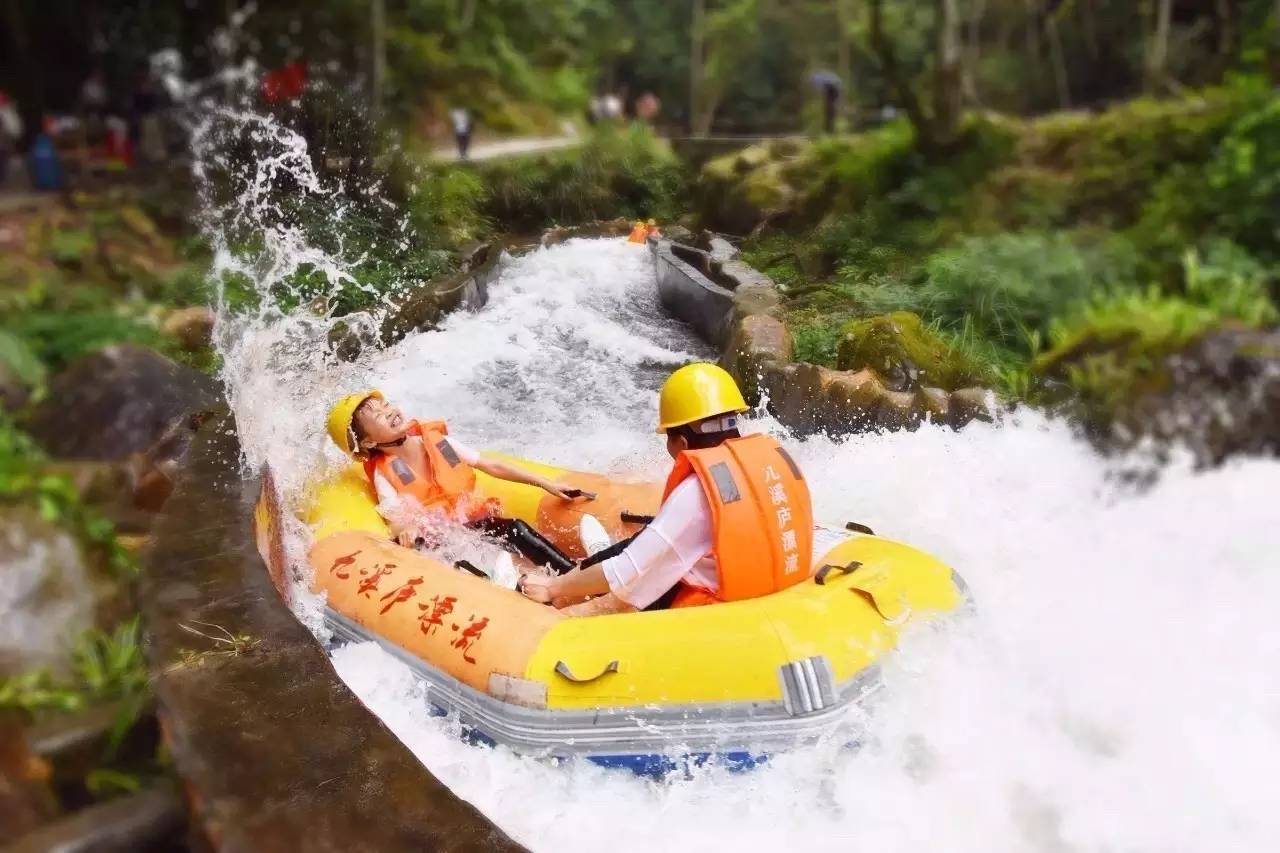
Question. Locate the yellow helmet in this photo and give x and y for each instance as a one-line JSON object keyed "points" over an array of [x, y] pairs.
{"points": [[340, 417], [695, 392]]}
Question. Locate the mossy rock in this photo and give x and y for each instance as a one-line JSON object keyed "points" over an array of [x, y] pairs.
{"points": [[899, 348], [738, 193]]}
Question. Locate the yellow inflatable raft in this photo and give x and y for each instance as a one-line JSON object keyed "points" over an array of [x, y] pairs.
{"points": [[737, 680]]}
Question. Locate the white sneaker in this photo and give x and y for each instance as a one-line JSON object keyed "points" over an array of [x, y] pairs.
{"points": [[592, 535], [503, 572]]}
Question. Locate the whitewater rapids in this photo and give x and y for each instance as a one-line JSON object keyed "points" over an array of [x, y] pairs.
{"points": [[1117, 689]]}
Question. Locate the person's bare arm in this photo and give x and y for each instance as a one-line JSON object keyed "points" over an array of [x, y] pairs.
{"points": [[513, 474], [572, 586], [601, 606]]}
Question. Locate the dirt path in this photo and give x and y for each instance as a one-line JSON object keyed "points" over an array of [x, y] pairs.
{"points": [[508, 147]]}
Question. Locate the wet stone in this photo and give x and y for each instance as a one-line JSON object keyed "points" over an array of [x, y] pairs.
{"points": [[286, 758], [118, 401]]}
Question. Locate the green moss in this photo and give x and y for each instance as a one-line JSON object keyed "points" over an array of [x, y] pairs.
{"points": [[899, 343], [71, 248]]}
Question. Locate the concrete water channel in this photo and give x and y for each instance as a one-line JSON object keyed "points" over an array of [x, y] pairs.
{"points": [[274, 751]]}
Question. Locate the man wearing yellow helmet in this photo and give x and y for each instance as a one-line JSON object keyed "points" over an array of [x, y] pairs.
{"points": [[417, 465], [735, 522]]}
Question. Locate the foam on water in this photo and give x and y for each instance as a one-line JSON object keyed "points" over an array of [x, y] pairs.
{"points": [[1116, 689]]}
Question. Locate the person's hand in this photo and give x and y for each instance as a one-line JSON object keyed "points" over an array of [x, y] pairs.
{"points": [[536, 586], [559, 490]]}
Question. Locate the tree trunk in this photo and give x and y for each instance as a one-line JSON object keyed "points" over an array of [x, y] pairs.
{"points": [[28, 88], [844, 53], [378, 78], [1226, 28], [1158, 50], [1089, 23], [899, 87], [1059, 62], [973, 52], [948, 74], [1275, 45], [697, 58]]}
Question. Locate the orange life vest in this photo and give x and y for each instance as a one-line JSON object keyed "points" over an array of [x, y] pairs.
{"points": [[639, 233], [447, 484], [761, 515]]}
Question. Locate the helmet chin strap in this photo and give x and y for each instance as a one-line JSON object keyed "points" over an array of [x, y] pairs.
{"points": [[399, 441]]}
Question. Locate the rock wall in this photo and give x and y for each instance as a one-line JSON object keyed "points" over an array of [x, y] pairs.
{"points": [[738, 309], [422, 308], [275, 752]]}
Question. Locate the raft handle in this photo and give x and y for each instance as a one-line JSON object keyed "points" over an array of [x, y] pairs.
{"points": [[858, 527], [467, 567], [563, 670], [635, 518], [579, 493], [821, 577]]}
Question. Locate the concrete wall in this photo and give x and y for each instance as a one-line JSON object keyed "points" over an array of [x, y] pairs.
{"points": [[738, 309], [276, 753]]}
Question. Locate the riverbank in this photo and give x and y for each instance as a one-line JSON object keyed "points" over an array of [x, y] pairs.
{"points": [[1064, 260]]}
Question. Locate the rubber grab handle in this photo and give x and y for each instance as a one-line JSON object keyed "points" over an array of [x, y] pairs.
{"points": [[468, 567], [562, 669], [636, 518], [857, 527], [823, 573], [579, 493]]}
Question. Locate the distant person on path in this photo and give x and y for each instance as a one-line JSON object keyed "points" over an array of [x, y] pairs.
{"points": [[647, 107], [10, 134], [146, 134], [93, 105], [461, 120], [829, 84], [611, 107]]}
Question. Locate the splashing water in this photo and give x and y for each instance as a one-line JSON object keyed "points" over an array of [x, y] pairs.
{"points": [[1116, 689]]}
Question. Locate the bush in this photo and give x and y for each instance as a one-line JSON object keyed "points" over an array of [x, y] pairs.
{"points": [[1113, 346], [1243, 182], [1008, 288], [617, 172], [23, 480]]}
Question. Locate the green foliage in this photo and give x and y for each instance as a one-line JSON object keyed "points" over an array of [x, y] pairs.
{"points": [[105, 667], [445, 207], [17, 357], [508, 62], [1231, 283], [58, 337], [1243, 182], [23, 479], [1114, 345], [901, 340], [617, 172], [70, 248], [1003, 288], [816, 341]]}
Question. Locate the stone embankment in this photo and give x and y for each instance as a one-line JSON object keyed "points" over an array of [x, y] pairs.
{"points": [[739, 309]]}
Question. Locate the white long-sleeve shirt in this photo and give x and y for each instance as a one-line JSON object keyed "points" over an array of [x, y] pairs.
{"points": [[675, 546]]}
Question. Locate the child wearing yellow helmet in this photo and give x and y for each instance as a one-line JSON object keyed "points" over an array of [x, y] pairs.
{"points": [[417, 468]]}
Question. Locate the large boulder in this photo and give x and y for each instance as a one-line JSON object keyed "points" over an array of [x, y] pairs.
{"points": [[905, 354], [739, 192], [118, 401], [50, 593], [1220, 396], [191, 327]]}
